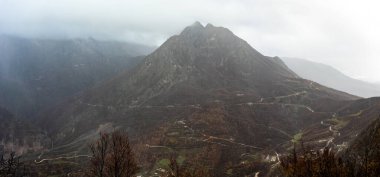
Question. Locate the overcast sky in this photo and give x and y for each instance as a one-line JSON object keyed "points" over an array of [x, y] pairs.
{"points": [[341, 33]]}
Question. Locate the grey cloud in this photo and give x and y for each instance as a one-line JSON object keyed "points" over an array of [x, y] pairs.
{"points": [[342, 33]]}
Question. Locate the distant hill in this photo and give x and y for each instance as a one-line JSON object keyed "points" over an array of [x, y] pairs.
{"points": [[38, 73], [331, 77]]}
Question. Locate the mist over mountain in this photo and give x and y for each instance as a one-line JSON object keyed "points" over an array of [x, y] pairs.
{"points": [[38, 73], [208, 96], [168, 88], [203, 99], [331, 77]]}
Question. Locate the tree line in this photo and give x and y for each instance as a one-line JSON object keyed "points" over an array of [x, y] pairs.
{"points": [[112, 156]]}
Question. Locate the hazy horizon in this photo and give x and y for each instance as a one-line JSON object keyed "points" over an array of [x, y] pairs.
{"points": [[339, 33]]}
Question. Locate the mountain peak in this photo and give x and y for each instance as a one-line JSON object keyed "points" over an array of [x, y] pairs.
{"points": [[194, 29], [209, 25], [197, 24], [198, 32], [206, 53]]}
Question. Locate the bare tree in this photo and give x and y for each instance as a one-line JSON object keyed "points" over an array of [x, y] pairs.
{"points": [[99, 154], [10, 165], [120, 161], [112, 156]]}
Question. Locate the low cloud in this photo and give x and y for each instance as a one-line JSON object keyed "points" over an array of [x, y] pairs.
{"points": [[342, 33]]}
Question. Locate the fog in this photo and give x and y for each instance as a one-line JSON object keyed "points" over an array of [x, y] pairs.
{"points": [[341, 33]]}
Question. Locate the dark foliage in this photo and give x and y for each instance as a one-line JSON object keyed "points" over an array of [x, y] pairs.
{"points": [[326, 163], [10, 166]]}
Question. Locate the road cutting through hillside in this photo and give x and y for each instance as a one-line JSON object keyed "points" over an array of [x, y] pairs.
{"points": [[198, 106], [331, 129], [291, 95], [62, 157], [284, 96], [208, 138], [156, 146]]}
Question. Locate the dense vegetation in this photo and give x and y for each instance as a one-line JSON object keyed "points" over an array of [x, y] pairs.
{"points": [[326, 163]]}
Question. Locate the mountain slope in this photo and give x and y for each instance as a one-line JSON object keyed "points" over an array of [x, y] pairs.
{"points": [[20, 136], [38, 73], [205, 95], [366, 144], [329, 76], [209, 58]]}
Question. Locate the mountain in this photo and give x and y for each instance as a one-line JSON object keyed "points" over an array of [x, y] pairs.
{"points": [[205, 95], [331, 77], [20, 136], [366, 144], [344, 126], [38, 73]]}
